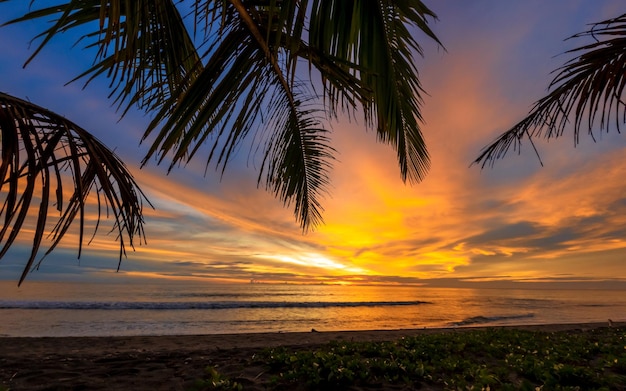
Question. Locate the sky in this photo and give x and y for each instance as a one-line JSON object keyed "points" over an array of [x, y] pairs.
{"points": [[517, 224]]}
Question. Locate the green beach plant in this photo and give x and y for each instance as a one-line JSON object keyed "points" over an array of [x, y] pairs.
{"points": [[273, 74], [487, 359], [213, 380]]}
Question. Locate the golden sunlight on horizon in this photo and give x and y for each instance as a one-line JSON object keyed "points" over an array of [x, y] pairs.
{"points": [[517, 221]]}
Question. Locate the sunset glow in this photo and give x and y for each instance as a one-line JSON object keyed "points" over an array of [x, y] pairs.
{"points": [[565, 221]]}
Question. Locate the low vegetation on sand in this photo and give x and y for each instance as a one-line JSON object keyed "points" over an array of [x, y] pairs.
{"points": [[485, 359]]}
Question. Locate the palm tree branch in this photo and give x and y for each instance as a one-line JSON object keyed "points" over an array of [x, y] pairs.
{"points": [[399, 98], [372, 41], [296, 162], [241, 80], [198, 111], [143, 46], [52, 144], [263, 44], [590, 84], [297, 156]]}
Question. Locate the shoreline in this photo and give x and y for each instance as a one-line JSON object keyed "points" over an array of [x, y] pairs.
{"points": [[172, 362], [271, 339]]}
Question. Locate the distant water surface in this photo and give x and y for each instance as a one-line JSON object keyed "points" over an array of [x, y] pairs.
{"points": [[80, 309]]}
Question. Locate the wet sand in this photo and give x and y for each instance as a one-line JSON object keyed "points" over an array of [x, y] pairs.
{"points": [[167, 362]]}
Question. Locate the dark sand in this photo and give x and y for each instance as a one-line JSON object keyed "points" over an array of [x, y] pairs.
{"points": [[165, 362]]}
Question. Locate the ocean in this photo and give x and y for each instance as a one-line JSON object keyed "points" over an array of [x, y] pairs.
{"points": [[94, 309]]}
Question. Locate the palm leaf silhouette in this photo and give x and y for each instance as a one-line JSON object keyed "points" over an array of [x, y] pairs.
{"points": [[243, 78], [587, 94], [39, 148]]}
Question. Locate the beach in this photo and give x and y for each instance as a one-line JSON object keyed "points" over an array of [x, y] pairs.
{"points": [[174, 362]]}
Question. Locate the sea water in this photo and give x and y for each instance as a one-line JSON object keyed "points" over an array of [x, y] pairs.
{"points": [[81, 309]]}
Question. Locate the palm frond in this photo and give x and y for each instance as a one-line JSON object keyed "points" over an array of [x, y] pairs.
{"points": [[242, 89], [298, 153], [38, 149], [587, 93], [374, 36], [143, 46], [247, 81], [296, 161]]}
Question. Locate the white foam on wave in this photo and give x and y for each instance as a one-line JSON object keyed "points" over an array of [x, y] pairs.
{"points": [[187, 305]]}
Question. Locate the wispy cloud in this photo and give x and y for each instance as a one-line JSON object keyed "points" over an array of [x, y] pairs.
{"points": [[516, 222]]}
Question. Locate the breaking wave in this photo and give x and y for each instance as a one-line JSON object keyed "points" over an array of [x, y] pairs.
{"points": [[477, 320], [196, 305]]}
